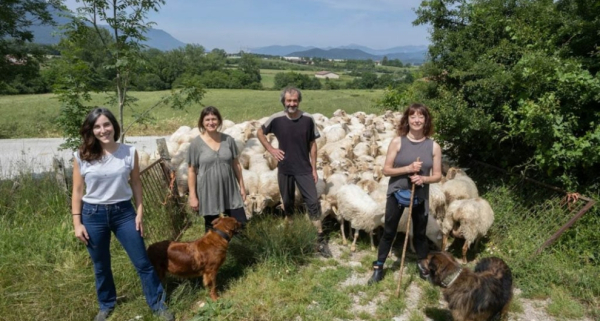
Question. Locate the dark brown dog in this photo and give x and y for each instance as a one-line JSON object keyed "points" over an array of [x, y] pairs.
{"points": [[202, 257], [478, 295]]}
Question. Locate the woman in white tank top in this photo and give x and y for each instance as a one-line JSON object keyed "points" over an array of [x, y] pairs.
{"points": [[111, 174]]}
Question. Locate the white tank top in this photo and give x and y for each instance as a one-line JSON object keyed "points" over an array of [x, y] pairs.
{"points": [[107, 180]]}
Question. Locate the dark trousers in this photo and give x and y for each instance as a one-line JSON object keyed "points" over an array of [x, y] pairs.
{"points": [[308, 189], [392, 217], [238, 213]]}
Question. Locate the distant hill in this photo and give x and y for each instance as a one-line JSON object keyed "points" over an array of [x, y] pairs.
{"points": [[278, 50], [334, 54], [50, 35], [406, 54], [417, 57]]}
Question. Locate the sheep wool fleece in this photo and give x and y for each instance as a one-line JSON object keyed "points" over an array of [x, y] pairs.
{"points": [[216, 184]]}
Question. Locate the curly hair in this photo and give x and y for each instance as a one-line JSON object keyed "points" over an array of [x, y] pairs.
{"points": [[416, 108], [90, 148]]}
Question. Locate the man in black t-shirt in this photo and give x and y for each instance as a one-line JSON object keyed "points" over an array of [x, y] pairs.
{"points": [[296, 133]]}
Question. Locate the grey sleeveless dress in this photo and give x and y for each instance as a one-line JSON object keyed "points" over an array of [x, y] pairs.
{"points": [[216, 184]]}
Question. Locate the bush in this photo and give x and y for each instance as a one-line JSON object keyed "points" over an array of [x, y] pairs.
{"points": [[269, 238]]}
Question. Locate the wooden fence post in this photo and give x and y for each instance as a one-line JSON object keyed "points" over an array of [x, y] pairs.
{"points": [[60, 176]]}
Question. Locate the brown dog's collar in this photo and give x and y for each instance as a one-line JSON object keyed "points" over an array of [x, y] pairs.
{"points": [[451, 278], [222, 234]]}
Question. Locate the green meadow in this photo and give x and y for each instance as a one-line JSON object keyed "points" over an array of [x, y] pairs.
{"points": [[29, 116]]}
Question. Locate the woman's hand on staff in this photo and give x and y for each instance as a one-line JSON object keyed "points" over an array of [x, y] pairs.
{"points": [[417, 179], [193, 201], [415, 167]]}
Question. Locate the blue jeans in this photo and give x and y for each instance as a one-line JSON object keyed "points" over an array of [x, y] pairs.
{"points": [[119, 218]]}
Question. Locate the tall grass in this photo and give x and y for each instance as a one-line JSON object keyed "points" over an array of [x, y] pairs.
{"points": [[526, 215], [27, 116], [271, 271]]}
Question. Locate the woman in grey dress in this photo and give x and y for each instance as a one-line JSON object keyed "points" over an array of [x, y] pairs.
{"points": [[215, 178]]}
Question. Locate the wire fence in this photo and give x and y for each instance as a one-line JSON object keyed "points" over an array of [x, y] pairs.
{"points": [[165, 213], [540, 213]]}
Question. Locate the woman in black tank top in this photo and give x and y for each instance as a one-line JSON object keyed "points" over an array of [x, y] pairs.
{"points": [[413, 140]]}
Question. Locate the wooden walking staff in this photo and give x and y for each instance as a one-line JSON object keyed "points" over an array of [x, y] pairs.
{"points": [[410, 206]]}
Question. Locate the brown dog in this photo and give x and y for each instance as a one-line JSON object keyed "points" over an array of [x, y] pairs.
{"points": [[476, 295], [202, 257]]}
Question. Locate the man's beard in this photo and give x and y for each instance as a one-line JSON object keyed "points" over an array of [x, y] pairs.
{"points": [[291, 110]]}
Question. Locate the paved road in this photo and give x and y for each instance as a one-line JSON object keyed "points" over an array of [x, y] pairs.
{"points": [[35, 154]]}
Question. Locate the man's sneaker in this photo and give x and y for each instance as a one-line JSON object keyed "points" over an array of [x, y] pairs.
{"points": [[165, 315], [102, 315], [323, 249], [423, 271]]}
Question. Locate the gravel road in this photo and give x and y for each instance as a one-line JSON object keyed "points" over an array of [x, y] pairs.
{"points": [[36, 154]]}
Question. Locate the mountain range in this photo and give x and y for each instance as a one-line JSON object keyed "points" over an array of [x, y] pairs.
{"points": [[406, 54], [50, 35], [162, 40]]}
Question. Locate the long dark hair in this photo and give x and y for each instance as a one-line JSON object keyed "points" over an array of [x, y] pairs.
{"points": [[90, 148], [209, 110], [403, 127]]}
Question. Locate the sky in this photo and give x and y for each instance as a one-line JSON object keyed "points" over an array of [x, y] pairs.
{"points": [[236, 25]]}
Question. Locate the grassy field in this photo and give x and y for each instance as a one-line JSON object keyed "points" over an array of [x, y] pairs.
{"points": [[268, 76], [271, 272], [27, 116]]}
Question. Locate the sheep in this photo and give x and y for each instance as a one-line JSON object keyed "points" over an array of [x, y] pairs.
{"points": [[437, 202], [458, 186], [335, 132], [469, 219], [144, 159], [258, 163], [328, 208], [269, 191], [363, 213], [433, 231]]}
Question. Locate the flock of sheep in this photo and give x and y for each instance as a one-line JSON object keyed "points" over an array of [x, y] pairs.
{"points": [[351, 185]]}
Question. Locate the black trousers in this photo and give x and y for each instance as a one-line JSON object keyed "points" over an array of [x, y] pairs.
{"points": [[308, 189], [392, 217], [239, 214]]}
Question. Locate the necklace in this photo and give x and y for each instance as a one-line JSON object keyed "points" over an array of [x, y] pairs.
{"points": [[413, 138]]}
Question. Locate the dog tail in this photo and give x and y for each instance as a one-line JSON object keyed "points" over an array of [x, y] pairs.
{"points": [[501, 271]]}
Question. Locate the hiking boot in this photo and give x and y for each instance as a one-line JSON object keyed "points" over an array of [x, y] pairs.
{"points": [[377, 273], [423, 271], [323, 249], [102, 315], [165, 315]]}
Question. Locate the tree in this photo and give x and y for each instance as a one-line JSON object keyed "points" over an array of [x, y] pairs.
{"points": [[250, 66], [516, 83], [18, 61], [127, 24]]}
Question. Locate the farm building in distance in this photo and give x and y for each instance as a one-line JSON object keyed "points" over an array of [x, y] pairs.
{"points": [[327, 74]]}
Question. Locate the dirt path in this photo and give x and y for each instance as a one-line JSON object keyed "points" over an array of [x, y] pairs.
{"points": [[532, 310]]}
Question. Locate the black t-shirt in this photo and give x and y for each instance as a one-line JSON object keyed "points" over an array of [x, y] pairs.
{"points": [[294, 136]]}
